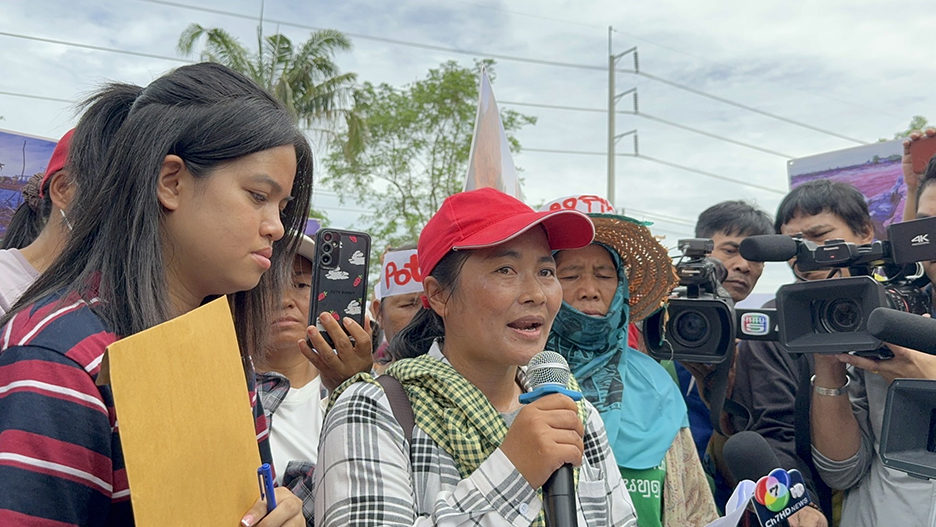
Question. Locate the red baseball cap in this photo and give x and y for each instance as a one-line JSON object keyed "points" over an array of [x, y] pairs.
{"points": [[487, 217], [57, 162]]}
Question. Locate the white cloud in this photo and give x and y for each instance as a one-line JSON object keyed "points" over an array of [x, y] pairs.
{"points": [[861, 68]]}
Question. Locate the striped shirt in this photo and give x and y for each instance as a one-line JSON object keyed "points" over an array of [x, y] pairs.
{"points": [[61, 462], [367, 474]]}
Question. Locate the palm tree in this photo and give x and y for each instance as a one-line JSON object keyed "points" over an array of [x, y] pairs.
{"points": [[305, 79]]}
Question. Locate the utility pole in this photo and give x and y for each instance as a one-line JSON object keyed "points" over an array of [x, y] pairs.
{"points": [[613, 98]]}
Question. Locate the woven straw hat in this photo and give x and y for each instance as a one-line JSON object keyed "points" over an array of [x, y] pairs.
{"points": [[649, 270]]}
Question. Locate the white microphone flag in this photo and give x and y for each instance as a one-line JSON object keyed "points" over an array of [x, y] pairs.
{"points": [[490, 163]]}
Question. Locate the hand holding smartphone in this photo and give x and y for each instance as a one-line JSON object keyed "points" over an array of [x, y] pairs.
{"points": [[339, 279]]}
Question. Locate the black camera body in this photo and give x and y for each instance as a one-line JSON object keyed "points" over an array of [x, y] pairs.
{"points": [[698, 324], [831, 316]]}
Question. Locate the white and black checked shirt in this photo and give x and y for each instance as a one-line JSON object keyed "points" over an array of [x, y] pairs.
{"points": [[367, 475]]}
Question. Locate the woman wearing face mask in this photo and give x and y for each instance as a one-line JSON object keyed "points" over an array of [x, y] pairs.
{"points": [[205, 174], [623, 276], [477, 456]]}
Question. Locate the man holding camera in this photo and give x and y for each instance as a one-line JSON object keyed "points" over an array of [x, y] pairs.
{"points": [[773, 385], [726, 224], [846, 431]]}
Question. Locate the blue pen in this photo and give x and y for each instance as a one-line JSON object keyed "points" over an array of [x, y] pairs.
{"points": [[265, 478]]}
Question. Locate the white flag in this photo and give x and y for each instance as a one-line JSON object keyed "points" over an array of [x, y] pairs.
{"points": [[490, 163]]}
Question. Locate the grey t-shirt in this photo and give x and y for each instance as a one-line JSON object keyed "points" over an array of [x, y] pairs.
{"points": [[16, 275]]}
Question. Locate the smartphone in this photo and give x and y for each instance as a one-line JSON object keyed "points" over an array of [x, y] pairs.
{"points": [[339, 277], [921, 151]]}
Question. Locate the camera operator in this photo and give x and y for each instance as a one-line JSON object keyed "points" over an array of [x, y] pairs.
{"points": [[846, 409], [773, 384], [846, 431], [726, 224]]}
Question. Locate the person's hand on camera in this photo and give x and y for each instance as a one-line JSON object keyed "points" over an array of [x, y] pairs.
{"points": [[339, 365], [545, 435], [906, 364], [288, 512], [808, 517], [911, 178]]}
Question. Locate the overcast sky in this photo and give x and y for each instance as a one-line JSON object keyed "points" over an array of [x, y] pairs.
{"points": [[860, 69]]}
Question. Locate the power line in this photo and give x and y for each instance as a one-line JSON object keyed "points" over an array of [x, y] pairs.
{"points": [[711, 175], [387, 40], [39, 97], [746, 107], [653, 118], [662, 217], [659, 161], [95, 48], [434, 48], [674, 50]]}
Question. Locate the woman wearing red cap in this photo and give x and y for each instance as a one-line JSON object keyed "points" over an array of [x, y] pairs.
{"points": [[32, 240], [475, 456]]}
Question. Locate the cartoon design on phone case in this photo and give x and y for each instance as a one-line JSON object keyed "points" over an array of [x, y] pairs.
{"points": [[357, 258], [337, 274], [339, 277]]}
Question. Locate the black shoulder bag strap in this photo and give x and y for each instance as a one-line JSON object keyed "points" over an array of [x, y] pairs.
{"points": [[717, 397], [399, 404]]}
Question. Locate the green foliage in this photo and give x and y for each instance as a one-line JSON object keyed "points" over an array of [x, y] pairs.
{"points": [[416, 150], [305, 78], [917, 123]]}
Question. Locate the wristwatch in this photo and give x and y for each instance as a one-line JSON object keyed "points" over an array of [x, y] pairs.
{"points": [[829, 392]]}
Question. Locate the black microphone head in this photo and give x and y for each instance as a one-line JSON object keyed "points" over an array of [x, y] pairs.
{"points": [[748, 456], [768, 248], [547, 367], [904, 329]]}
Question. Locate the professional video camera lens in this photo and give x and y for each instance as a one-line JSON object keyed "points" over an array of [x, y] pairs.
{"points": [[691, 329], [842, 315], [908, 298]]}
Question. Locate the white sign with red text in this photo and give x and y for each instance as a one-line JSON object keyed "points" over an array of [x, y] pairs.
{"points": [[400, 274], [587, 203]]}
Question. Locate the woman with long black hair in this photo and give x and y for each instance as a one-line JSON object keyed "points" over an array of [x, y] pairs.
{"points": [[204, 177]]}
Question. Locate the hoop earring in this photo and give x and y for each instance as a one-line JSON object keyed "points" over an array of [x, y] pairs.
{"points": [[65, 219]]}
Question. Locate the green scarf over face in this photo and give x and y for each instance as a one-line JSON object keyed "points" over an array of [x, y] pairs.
{"points": [[639, 403]]}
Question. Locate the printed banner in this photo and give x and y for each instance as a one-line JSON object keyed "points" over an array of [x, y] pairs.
{"points": [[21, 156], [873, 169]]}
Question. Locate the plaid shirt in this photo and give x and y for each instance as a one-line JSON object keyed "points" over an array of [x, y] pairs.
{"points": [[61, 464], [272, 388], [368, 475]]}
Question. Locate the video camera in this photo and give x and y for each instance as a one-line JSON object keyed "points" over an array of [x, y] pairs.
{"points": [[831, 316], [700, 322]]}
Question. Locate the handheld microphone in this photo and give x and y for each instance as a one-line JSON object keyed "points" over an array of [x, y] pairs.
{"points": [[748, 456], [548, 372], [904, 329], [768, 248]]}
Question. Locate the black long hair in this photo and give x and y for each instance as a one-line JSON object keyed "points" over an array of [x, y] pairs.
{"points": [[208, 115], [104, 112], [30, 216], [427, 326]]}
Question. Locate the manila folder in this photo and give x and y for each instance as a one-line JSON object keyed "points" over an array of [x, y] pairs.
{"points": [[185, 421]]}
